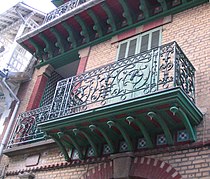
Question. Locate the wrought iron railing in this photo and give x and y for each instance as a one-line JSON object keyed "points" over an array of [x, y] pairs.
{"points": [[71, 4], [26, 129], [158, 69]]}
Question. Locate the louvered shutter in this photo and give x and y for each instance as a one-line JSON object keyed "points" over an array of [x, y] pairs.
{"points": [[144, 43], [132, 47], [122, 50], [155, 39]]}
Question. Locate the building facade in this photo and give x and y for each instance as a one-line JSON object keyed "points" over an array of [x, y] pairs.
{"points": [[16, 63], [120, 90]]}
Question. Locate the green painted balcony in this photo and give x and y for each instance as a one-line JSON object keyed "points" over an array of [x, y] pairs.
{"points": [[137, 103]]}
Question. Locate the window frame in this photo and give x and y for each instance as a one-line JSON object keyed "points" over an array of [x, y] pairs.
{"points": [[138, 42]]}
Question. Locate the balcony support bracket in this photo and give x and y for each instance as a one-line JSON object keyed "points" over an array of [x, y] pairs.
{"points": [[93, 145], [143, 130], [185, 121], [85, 31], [71, 35], [98, 27], [61, 42], [108, 140], [124, 134], [49, 47], [61, 146], [163, 125], [75, 144], [111, 17]]}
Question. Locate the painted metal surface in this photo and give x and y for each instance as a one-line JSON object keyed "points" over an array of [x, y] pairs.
{"points": [[118, 104]]}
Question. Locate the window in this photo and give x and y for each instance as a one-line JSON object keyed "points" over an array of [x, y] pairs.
{"points": [[139, 43]]}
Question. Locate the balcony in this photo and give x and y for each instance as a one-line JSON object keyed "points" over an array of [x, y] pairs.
{"points": [[62, 10], [141, 102]]}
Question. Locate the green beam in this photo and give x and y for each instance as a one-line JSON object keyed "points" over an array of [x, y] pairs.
{"points": [[85, 31], [93, 145], [127, 12], [185, 121], [71, 33], [98, 23], [61, 146], [163, 4], [38, 52], [111, 17], [145, 7], [106, 137], [143, 130], [49, 45], [75, 144], [163, 125], [61, 42], [123, 132]]}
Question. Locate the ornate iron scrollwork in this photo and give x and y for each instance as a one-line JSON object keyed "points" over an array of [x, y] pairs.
{"points": [[62, 9], [26, 129], [157, 69]]}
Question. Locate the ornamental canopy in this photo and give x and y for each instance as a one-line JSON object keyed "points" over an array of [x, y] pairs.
{"points": [[78, 24]]}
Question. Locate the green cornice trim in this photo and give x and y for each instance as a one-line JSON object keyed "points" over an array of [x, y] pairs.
{"points": [[39, 51], [93, 145], [58, 60], [144, 6], [163, 4], [58, 3], [155, 116]]}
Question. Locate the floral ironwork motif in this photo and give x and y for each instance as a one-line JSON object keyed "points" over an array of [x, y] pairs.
{"points": [[62, 9], [160, 68], [157, 69], [26, 128]]}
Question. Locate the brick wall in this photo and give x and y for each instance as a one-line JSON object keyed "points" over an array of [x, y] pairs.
{"points": [[191, 164], [101, 54], [189, 29]]}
